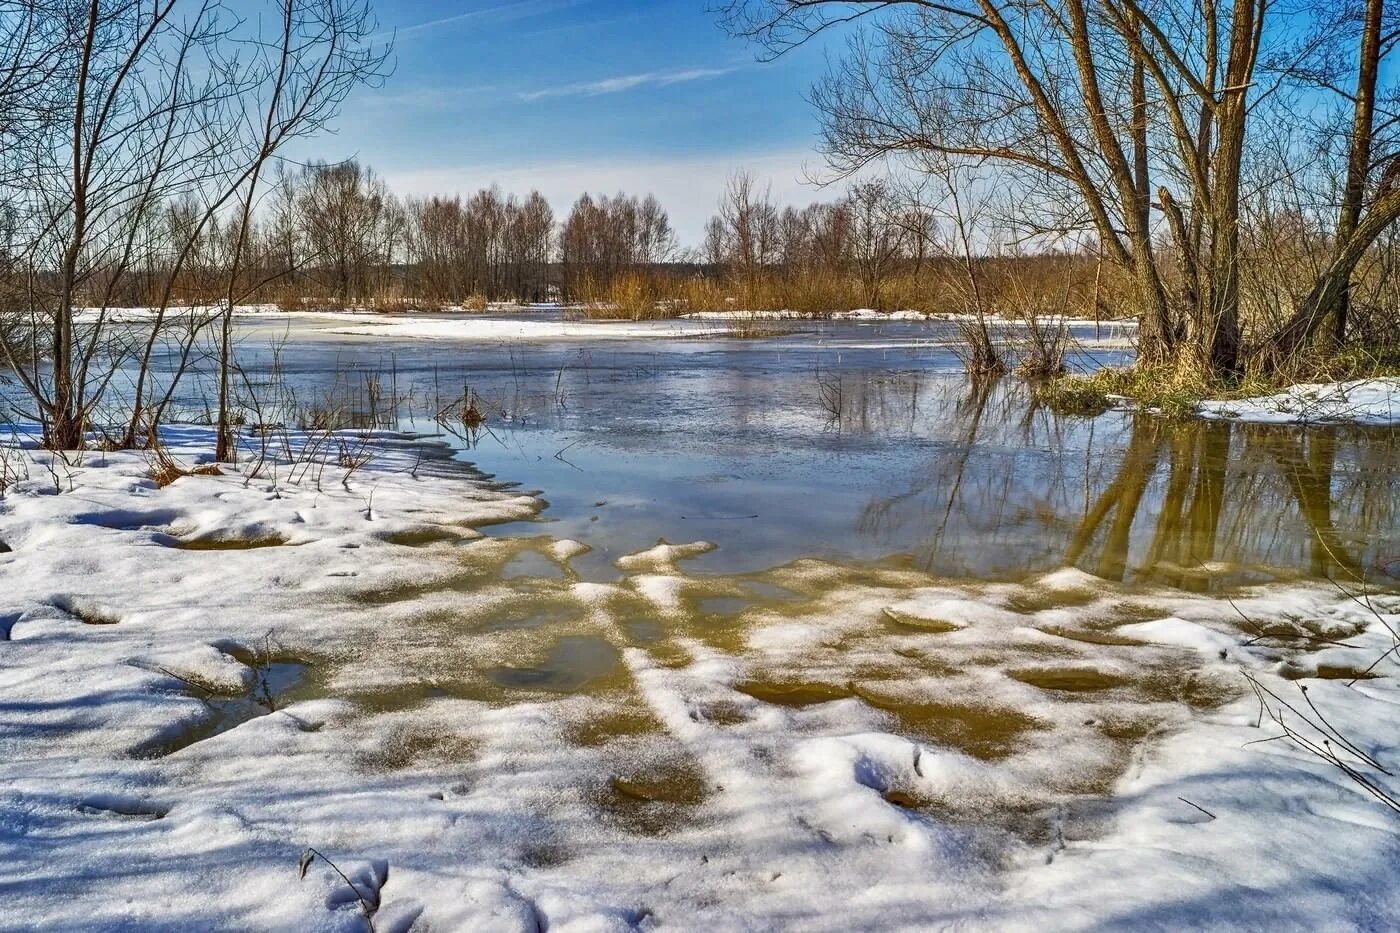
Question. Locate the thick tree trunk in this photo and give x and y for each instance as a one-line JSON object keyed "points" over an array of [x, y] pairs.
{"points": [[1155, 340], [1157, 336], [1214, 341]]}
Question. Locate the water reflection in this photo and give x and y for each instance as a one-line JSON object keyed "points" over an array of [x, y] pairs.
{"points": [[1133, 497], [865, 446], [850, 443]]}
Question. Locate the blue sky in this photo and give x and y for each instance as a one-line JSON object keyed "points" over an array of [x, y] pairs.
{"points": [[568, 95]]}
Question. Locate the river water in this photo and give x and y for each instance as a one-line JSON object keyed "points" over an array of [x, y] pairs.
{"points": [[857, 442]]}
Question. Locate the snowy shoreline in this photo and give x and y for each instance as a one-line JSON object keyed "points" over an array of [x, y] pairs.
{"points": [[511, 322], [1363, 401], [1117, 786]]}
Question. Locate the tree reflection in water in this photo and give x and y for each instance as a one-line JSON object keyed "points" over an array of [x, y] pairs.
{"points": [[1130, 496]]}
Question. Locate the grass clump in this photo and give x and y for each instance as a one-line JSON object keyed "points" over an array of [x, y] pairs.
{"points": [[626, 297], [1356, 362], [1170, 391], [1177, 391]]}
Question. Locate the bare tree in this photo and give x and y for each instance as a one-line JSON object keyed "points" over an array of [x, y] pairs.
{"points": [[964, 196], [748, 226], [1126, 126], [877, 238], [1365, 212], [137, 93], [318, 54], [604, 237], [352, 225], [142, 106]]}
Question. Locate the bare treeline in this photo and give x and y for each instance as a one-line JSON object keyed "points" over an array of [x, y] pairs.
{"points": [[334, 235], [607, 237], [488, 246], [866, 236], [337, 236]]}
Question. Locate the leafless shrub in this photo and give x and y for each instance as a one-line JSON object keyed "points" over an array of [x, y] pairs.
{"points": [[14, 463], [1042, 343], [136, 137], [1306, 727]]}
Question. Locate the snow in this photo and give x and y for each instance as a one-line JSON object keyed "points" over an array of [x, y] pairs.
{"points": [[663, 556], [1363, 401], [964, 754], [504, 329], [567, 549], [138, 315], [870, 315], [521, 323]]}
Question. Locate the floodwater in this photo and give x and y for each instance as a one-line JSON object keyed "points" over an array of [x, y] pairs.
{"points": [[836, 469], [865, 443]]}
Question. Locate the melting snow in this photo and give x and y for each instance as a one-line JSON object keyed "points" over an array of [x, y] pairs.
{"points": [[882, 750], [1365, 401]]}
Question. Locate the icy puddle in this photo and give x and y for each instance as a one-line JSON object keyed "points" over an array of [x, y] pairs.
{"points": [[274, 683], [1047, 689]]}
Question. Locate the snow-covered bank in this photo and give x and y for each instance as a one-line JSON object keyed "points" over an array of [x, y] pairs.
{"points": [[1364, 401], [510, 323], [517, 329], [483, 747], [700, 324], [500, 324], [859, 314], [137, 314], [871, 315]]}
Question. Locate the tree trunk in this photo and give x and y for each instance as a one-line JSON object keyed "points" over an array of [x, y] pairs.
{"points": [[1359, 156], [1331, 285], [1215, 343]]}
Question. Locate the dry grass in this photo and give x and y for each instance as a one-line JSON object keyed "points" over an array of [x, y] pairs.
{"points": [[630, 296], [1016, 287], [1174, 392]]}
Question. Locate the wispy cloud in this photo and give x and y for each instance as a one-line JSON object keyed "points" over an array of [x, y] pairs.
{"points": [[626, 83], [499, 11]]}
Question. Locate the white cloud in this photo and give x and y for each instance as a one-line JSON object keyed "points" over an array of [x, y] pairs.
{"points": [[626, 83], [500, 11], [688, 186]]}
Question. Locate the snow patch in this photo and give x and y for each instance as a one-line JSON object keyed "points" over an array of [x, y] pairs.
{"points": [[1364, 401]]}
